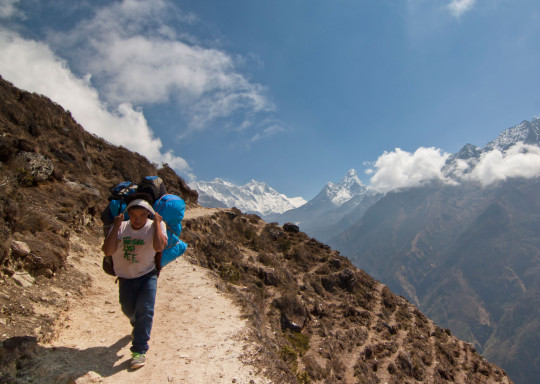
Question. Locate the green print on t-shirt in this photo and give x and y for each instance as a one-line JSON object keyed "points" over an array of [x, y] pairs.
{"points": [[129, 248]]}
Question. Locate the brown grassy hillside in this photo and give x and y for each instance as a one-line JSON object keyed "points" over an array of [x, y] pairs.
{"points": [[317, 318]]}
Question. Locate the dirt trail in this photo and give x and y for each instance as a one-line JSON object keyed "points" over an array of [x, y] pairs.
{"points": [[198, 335]]}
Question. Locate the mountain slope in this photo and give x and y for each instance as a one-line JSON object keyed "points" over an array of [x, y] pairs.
{"points": [[466, 252], [468, 256], [315, 316]]}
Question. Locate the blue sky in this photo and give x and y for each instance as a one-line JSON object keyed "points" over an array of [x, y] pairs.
{"points": [[292, 93]]}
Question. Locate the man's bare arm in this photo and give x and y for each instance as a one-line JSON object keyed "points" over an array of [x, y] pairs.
{"points": [[160, 241], [110, 245]]}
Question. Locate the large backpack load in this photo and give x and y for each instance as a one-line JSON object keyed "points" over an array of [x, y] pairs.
{"points": [[170, 207]]}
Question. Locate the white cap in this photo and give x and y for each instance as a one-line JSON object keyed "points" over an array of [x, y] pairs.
{"points": [[141, 203]]}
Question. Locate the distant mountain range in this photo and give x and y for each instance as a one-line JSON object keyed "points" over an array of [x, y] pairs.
{"points": [[465, 248], [253, 197], [337, 206], [334, 208]]}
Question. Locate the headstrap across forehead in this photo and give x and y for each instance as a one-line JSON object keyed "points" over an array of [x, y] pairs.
{"points": [[143, 204]]}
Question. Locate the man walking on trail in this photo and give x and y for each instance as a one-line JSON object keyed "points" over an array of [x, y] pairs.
{"points": [[133, 245]]}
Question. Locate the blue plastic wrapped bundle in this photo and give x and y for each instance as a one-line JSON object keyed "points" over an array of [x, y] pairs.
{"points": [[172, 209]]}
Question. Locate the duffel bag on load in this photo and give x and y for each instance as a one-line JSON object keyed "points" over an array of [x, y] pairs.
{"points": [[172, 209], [175, 248], [117, 203]]}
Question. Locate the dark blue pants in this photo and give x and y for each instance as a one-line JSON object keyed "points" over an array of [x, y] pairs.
{"points": [[137, 299]]}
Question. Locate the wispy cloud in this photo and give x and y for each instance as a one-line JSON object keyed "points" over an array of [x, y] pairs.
{"points": [[459, 7], [33, 66], [136, 55], [427, 20], [402, 169], [270, 128]]}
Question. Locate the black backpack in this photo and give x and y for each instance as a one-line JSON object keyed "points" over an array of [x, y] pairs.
{"points": [[153, 186]]}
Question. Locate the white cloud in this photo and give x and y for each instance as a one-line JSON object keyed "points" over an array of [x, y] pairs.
{"points": [[135, 55], [34, 67], [8, 8], [459, 7], [401, 169], [521, 160]]}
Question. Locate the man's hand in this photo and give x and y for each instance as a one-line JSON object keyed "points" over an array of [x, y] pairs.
{"points": [[157, 219], [111, 241], [118, 220]]}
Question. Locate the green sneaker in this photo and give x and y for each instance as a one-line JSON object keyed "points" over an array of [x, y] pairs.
{"points": [[137, 360]]}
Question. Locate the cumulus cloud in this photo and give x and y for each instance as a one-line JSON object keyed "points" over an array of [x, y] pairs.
{"points": [[521, 160], [459, 7], [33, 66], [401, 169], [135, 55]]}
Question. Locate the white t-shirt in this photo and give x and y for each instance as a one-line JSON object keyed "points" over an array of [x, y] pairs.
{"points": [[135, 254]]}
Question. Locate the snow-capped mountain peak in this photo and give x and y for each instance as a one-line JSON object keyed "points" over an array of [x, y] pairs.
{"points": [[335, 207], [345, 190], [468, 151], [462, 165], [258, 187], [527, 132], [254, 196]]}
